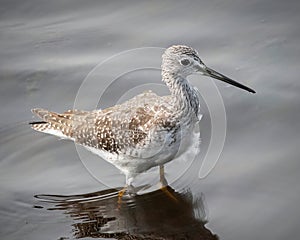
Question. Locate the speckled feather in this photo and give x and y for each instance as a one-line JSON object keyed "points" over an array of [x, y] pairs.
{"points": [[118, 129], [145, 126]]}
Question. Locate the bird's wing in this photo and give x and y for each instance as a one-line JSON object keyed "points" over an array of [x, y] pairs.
{"points": [[115, 129]]}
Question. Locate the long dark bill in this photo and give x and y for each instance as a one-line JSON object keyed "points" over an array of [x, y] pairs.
{"points": [[214, 74]]}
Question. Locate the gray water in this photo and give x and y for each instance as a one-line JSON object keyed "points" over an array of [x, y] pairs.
{"points": [[48, 47]]}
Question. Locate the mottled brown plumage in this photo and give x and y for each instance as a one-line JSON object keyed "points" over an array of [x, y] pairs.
{"points": [[112, 130], [145, 131]]}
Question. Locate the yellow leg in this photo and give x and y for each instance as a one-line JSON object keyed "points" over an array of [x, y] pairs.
{"points": [[128, 190], [121, 192], [162, 179], [164, 183], [120, 196]]}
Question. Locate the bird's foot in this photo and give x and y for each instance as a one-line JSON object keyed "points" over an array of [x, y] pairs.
{"points": [[121, 193], [128, 191]]}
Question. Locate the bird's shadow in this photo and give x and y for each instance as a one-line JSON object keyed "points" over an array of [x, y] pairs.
{"points": [[155, 215]]}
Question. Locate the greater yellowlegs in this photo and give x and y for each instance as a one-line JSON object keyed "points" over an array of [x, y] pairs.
{"points": [[145, 131]]}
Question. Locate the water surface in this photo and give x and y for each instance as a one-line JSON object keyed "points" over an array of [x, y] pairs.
{"points": [[48, 47]]}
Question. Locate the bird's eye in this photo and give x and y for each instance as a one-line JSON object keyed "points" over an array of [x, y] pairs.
{"points": [[185, 62]]}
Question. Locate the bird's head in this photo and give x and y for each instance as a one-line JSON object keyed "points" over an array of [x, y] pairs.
{"points": [[183, 60]]}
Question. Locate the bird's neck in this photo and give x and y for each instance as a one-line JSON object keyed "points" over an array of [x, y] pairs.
{"points": [[185, 96]]}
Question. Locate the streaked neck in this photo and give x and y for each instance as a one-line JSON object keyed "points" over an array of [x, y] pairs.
{"points": [[184, 95]]}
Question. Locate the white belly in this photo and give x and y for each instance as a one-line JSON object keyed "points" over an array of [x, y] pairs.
{"points": [[159, 151]]}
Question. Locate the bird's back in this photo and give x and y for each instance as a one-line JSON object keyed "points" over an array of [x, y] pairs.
{"points": [[136, 128]]}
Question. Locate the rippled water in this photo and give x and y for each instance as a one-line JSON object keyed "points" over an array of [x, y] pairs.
{"points": [[155, 215], [43, 165], [47, 48]]}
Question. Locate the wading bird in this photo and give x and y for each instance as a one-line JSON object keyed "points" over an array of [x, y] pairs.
{"points": [[145, 131]]}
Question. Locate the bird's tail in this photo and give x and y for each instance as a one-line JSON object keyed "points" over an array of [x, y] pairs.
{"points": [[53, 123]]}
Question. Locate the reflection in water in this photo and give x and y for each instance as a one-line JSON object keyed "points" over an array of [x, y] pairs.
{"points": [[154, 215]]}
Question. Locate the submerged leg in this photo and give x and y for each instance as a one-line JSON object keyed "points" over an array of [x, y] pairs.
{"points": [[164, 183], [128, 188]]}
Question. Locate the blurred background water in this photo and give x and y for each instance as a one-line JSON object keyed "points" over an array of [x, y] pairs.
{"points": [[48, 47]]}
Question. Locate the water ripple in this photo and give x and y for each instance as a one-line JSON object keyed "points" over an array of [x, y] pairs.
{"points": [[162, 214]]}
